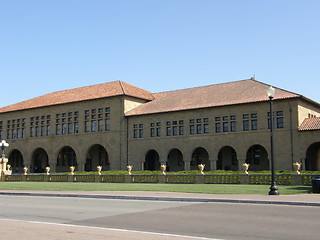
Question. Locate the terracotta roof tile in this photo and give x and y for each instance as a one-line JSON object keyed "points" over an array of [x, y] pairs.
{"points": [[310, 124], [104, 90], [239, 92]]}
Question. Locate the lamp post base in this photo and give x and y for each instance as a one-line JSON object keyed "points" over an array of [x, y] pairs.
{"points": [[273, 190]]}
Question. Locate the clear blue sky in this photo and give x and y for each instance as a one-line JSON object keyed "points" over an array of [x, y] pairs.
{"points": [[158, 45]]}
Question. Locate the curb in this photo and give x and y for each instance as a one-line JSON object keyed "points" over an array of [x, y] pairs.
{"points": [[174, 199]]}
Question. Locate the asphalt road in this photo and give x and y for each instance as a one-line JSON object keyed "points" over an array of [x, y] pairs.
{"points": [[80, 218]]}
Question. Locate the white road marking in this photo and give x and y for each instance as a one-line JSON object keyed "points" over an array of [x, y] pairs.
{"points": [[112, 229]]}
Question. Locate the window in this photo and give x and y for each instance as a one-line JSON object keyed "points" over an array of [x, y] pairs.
{"points": [[199, 128], [158, 129], [93, 126], [218, 127], [100, 125], [107, 124], [246, 125], [206, 128], [168, 128], [168, 131], [233, 126], [192, 129], [174, 130], [70, 128], [280, 119], [152, 132], [278, 122], [181, 130], [250, 121], [64, 129], [138, 131], [225, 126]]}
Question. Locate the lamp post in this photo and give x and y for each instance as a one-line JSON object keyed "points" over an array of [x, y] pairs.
{"points": [[273, 188], [3, 146]]}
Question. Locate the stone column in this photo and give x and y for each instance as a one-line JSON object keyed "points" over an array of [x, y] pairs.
{"points": [[213, 165], [187, 165]]}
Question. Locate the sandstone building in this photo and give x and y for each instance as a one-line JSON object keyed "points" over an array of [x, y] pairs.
{"points": [[116, 124]]}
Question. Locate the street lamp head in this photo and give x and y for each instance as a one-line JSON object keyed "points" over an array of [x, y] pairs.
{"points": [[3, 146], [271, 92]]}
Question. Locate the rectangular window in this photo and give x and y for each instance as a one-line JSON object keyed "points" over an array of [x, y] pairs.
{"points": [[70, 128], [233, 126], [93, 126], [64, 129], [192, 129], [218, 127], [48, 130], [254, 124], [86, 126], [152, 132], [42, 132], [18, 133], [199, 128], [226, 127], [174, 130], [158, 132], [76, 127], [58, 130], [140, 133], [168, 131], [181, 130], [206, 128], [107, 125], [246, 125], [245, 116], [280, 123], [135, 133], [100, 125]]}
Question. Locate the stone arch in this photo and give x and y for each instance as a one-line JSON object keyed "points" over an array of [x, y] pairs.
{"points": [[199, 156], [257, 157], [227, 159], [312, 162], [97, 155], [152, 161], [16, 161], [39, 161], [66, 158], [175, 160]]}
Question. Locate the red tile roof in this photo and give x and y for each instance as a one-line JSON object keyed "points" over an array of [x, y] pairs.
{"points": [[239, 92], [104, 90], [310, 124]]}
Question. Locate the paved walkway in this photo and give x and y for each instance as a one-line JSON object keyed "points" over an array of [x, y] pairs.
{"points": [[298, 200]]}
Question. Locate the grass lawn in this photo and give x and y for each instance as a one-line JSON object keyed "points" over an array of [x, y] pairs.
{"points": [[188, 188]]}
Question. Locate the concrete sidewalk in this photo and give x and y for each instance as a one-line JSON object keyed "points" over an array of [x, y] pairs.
{"points": [[296, 200]]}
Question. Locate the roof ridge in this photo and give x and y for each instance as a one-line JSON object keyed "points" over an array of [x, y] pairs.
{"points": [[209, 85], [122, 87]]}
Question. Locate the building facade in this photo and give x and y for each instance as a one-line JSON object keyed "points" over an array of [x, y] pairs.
{"points": [[116, 124]]}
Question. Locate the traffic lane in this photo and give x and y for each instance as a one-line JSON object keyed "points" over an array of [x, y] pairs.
{"points": [[222, 221], [62, 210]]}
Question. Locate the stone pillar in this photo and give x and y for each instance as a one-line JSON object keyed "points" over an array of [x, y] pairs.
{"points": [[213, 165], [80, 167], [187, 165]]}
